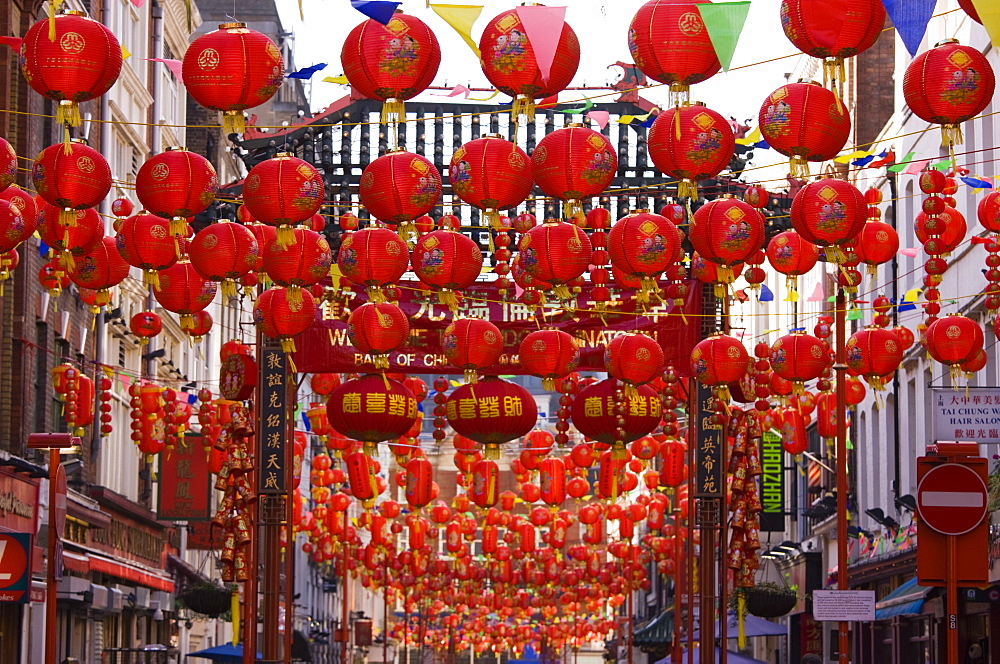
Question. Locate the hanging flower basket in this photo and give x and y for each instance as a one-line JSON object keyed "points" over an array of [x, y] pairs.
{"points": [[769, 600], [208, 599]]}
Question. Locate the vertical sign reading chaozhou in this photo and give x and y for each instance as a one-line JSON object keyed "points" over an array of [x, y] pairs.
{"points": [[772, 483], [273, 437], [708, 457], [185, 482], [966, 415]]}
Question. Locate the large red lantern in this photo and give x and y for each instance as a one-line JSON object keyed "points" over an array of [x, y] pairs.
{"points": [[303, 262], [70, 59], [485, 479], [391, 62], [184, 291], [726, 232], [829, 212], [691, 143], [834, 30], [373, 257], [806, 122], [491, 412], [718, 361], [176, 184], [232, 69], [574, 163], [948, 85], [491, 174], [372, 409], [874, 352], [594, 412], [377, 329], [144, 242], [282, 316], [472, 345], [283, 191], [73, 239], [877, 243], [954, 339], [447, 261], [399, 186], [798, 357], [509, 62], [988, 211], [71, 177], [670, 43], [419, 482], [555, 252], [549, 354], [100, 269], [791, 255], [643, 245], [634, 359], [224, 252]]}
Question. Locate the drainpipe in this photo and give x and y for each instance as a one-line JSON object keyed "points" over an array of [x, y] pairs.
{"points": [[894, 279]]}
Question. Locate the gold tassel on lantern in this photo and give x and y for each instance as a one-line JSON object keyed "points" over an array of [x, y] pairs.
{"points": [[472, 376], [687, 189], [562, 292], [151, 278], [492, 451], [294, 297], [951, 135], [67, 218], [233, 122], [679, 94], [68, 113], [393, 110], [178, 227], [67, 261], [448, 298], [523, 105], [492, 217], [574, 210], [285, 236], [798, 168]]}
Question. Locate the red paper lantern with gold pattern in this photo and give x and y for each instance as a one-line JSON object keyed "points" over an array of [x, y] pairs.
{"points": [[8, 165], [419, 481], [593, 412], [806, 122], [643, 245], [373, 257], [727, 232], [691, 143], [144, 242], [283, 191], [399, 186], [549, 354], [509, 62], [447, 261], [145, 325], [200, 326], [954, 339], [492, 174], [555, 252], [574, 163], [70, 58], [670, 43], [176, 184], [798, 357], [485, 479], [323, 383], [232, 69], [377, 329], [101, 268], [952, 229], [832, 29], [673, 471], [877, 243], [371, 409], [634, 359], [718, 361], [53, 278], [391, 62], [791, 255], [829, 212], [988, 211], [73, 177], [282, 316], [303, 262], [873, 353], [472, 344], [16, 224], [491, 412], [552, 481], [184, 291], [948, 85], [224, 252], [74, 238], [361, 475]]}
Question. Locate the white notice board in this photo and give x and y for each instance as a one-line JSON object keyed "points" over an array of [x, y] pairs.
{"points": [[846, 605]]}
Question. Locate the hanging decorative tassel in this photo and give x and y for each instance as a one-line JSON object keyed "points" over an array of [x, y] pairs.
{"points": [[393, 110], [52, 19], [67, 219], [234, 608], [951, 135], [471, 376], [798, 168], [686, 188], [233, 122], [741, 612], [574, 210], [562, 292], [285, 236], [679, 94], [492, 451], [523, 105]]}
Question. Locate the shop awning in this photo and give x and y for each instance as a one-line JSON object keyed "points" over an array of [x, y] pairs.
{"points": [[658, 631], [131, 573], [906, 600]]}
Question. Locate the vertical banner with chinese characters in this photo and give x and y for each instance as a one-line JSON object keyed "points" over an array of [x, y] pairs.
{"points": [[184, 482], [273, 431], [772, 483], [708, 454]]}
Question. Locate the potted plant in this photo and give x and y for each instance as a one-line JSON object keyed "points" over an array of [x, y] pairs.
{"points": [[207, 598], [768, 599]]}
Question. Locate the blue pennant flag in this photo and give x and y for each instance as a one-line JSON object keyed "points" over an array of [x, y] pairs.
{"points": [[305, 422], [977, 183], [910, 17], [377, 10], [765, 294], [863, 161], [763, 145], [307, 72], [42, 249]]}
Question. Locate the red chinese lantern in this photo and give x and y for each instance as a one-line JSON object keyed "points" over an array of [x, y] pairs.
{"points": [[144, 242], [399, 186], [491, 174], [988, 211], [323, 383], [877, 243], [176, 184], [491, 412], [8, 165], [634, 359], [201, 324], [718, 361], [509, 62], [302, 262], [948, 85], [391, 62], [574, 163], [74, 239], [806, 122], [71, 177], [798, 357], [371, 409], [552, 480], [145, 325], [184, 291], [643, 245], [549, 354], [594, 412], [954, 339], [952, 227], [691, 143], [419, 478], [829, 212], [793, 432], [232, 69], [361, 476], [100, 269], [8, 262], [121, 207], [224, 252], [373, 257], [283, 191], [21, 203], [53, 278], [283, 317], [377, 329], [472, 345], [555, 252], [726, 232], [670, 43], [832, 30], [874, 353], [448, 262], [673, 471], [791, 255], [485, 479], [70, 59]]}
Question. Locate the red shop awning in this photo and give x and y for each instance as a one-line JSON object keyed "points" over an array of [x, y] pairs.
{"points": [[131, 573]]}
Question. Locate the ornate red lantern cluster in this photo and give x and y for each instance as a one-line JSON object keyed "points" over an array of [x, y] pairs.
{"points": [[185, 292], [829, 213], [399, 186], [550, 355], [374, 258], [954, 340], [144, 242], [874, 353], [798, 357], [282, 316], [71, 177], [555, 253], [791, 255]]}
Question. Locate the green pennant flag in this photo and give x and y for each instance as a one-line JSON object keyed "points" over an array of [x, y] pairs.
{"points": [[943, 165], [724, 21], [900, 165], [587, 105]]}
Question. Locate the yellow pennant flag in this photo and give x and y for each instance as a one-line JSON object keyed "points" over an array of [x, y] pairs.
{"points": [[857, 154], [461, 18], [989, 16], [754, 137], [342, 80], [626, 119], [793, 296], [125, 52]]}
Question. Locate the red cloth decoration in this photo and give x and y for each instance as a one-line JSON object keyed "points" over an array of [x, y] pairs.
{"points": [[573, 163], [691, 143], [176, 184], [399, 187], [806, 122], [491, 174]]}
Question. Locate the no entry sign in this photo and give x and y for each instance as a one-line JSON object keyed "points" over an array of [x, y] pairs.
{"points": [[951, 499]]}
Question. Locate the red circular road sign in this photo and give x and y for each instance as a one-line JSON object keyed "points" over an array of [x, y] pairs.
{"points": [[13, 561], [951, 499]]}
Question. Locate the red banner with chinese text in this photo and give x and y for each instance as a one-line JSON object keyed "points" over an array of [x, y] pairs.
{"points": [[185, 482]]}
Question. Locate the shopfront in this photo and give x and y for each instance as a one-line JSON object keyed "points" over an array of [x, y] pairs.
{"points": [[19, 494]]}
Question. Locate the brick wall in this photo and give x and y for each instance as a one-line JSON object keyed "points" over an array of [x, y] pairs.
{"points": [[874, 88]]}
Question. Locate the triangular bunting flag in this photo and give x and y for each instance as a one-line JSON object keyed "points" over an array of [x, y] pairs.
{"points": [[817, 295], [600, 117], [915, 167], [307, 72], [901, 165], [543, 27], [910, 18], [751, 138], [976, 182], [461, 18], [341, 80], [989, 16], [724, 22], [175, 66], [455, 91], [765, 294], [587, 105], [377, 10]]}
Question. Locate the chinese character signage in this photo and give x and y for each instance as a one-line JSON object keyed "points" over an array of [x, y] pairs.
{"points": [[15, 567], [772, 483], [966, 415], [708, 454], [273, 437], [185, 482]]}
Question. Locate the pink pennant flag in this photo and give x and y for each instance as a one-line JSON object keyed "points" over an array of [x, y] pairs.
{"points": [[543, 26], [600, 117], [457, 90], [915, 167], [138, 3], [909, 251], [174, 66], [817, 294], [13, 42]]}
